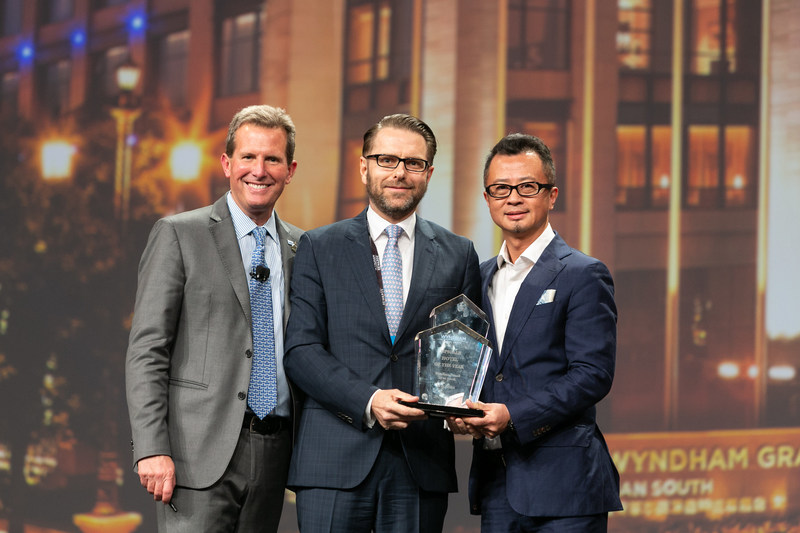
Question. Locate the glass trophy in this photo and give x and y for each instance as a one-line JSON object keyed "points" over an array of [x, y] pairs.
{"points": [[452, 359], [465, 311]]}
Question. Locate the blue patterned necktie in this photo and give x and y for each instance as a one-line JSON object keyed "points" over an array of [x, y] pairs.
{"points": [[392, 274], [263, 393]]}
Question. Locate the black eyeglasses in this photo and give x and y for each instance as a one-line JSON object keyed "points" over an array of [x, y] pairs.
{"points": [[412, 164], [525, 189]]}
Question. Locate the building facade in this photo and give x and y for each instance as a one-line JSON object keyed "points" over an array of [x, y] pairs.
{"points": [[672, 123]]}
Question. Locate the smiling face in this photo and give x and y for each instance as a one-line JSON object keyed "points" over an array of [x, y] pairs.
{"points": [[258, 170], [395, 193], [521, 219]]}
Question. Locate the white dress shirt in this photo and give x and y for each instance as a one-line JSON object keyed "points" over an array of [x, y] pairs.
{"points": [[508, 279], [405, 243], [503, 289]]}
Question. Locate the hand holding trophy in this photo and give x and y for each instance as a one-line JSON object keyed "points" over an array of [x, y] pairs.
{"points": [[452, 358]]}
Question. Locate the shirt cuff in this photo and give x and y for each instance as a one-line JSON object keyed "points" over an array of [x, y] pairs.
{"points": [[369, 418]]}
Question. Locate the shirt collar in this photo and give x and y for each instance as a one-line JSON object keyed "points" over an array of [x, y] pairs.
{"points": [[243, 224], [532, 253], [377, 224]]}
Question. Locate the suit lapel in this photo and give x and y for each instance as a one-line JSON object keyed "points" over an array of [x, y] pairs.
{"points": [[488, 271], [288, 249], [359, 255], [425, 257], [224, 236], [538, 279]]}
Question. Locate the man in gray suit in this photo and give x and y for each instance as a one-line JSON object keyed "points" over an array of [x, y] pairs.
{"points": [[363, 461], [209, 461]]}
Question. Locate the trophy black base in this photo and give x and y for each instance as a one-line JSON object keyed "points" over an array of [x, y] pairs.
{"points": [[443, 411]]}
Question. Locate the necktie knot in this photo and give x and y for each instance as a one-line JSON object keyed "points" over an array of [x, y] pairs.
{"points": [[260, 233], [394, 231]]}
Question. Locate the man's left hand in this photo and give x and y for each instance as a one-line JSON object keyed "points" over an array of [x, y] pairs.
{"points": [[495, 419]]}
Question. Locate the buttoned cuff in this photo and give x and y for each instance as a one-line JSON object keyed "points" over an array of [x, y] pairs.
{"points": [[369, 418]]}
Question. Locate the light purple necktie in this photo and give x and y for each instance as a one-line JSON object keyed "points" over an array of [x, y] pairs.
{"points": [[392, 274]]}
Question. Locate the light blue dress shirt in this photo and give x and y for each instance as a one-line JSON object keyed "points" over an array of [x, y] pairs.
{"points": [[244, 225]]}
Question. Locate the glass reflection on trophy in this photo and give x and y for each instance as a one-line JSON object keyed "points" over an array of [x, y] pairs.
{"points": [[452, 358]]}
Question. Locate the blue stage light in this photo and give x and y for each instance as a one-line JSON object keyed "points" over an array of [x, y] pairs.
{"points": [[78, 38], [25, 52], [137, 23]]}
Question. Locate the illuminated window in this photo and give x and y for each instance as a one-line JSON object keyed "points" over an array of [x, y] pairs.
{"points": [[352, 194], [173, 67], [538, 34], [9, 91], [703, 186], [706, 189], [238, 60], [739, 166], [644, 177], [57, 10], [369, 42], [661, 174], [54, 84], [713, 31], [634, 20], [631, 166], [378, 54], [553, 134], [11, 17]]}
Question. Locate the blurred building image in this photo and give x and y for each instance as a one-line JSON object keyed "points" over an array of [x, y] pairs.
{"points": [[674, 124]]}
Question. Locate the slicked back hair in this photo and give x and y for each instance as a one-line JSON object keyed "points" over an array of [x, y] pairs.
{"points": [[402, 121]]}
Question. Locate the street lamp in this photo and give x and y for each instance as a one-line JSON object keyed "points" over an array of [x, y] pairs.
{"points": [[125, 114], [106, 515], [185, 161], [128, 74], [57, 159]]}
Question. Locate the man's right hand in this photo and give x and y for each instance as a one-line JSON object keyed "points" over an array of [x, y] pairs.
{"points": [[390, 413], [157, 475]]}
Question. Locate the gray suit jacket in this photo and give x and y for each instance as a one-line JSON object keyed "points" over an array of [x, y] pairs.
{"points": [[187, 368]]}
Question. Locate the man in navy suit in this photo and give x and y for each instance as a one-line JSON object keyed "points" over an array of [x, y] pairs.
{"points": [[540, 463], [363, 461]]}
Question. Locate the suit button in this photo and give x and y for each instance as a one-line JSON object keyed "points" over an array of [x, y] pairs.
{"points": [[248, 353], [499, 377], [394, 358], [242, 395]]}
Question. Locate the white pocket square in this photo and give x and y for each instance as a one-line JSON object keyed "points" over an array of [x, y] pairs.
{"points": [[547, 297]]}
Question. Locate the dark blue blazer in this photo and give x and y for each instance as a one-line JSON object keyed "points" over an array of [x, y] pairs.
{"points": [[338, 351], [556, 363]]}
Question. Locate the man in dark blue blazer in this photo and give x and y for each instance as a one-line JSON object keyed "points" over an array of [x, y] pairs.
{"points": [[540, 463], [362, 461]]}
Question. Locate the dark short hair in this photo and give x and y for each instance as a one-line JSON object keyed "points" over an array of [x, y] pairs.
{"points": [[402, 121], [521, 143], [264, 116]]}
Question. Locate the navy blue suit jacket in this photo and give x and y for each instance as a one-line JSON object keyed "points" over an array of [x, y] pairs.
{"points": [[339, 352], [556, 363]]}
